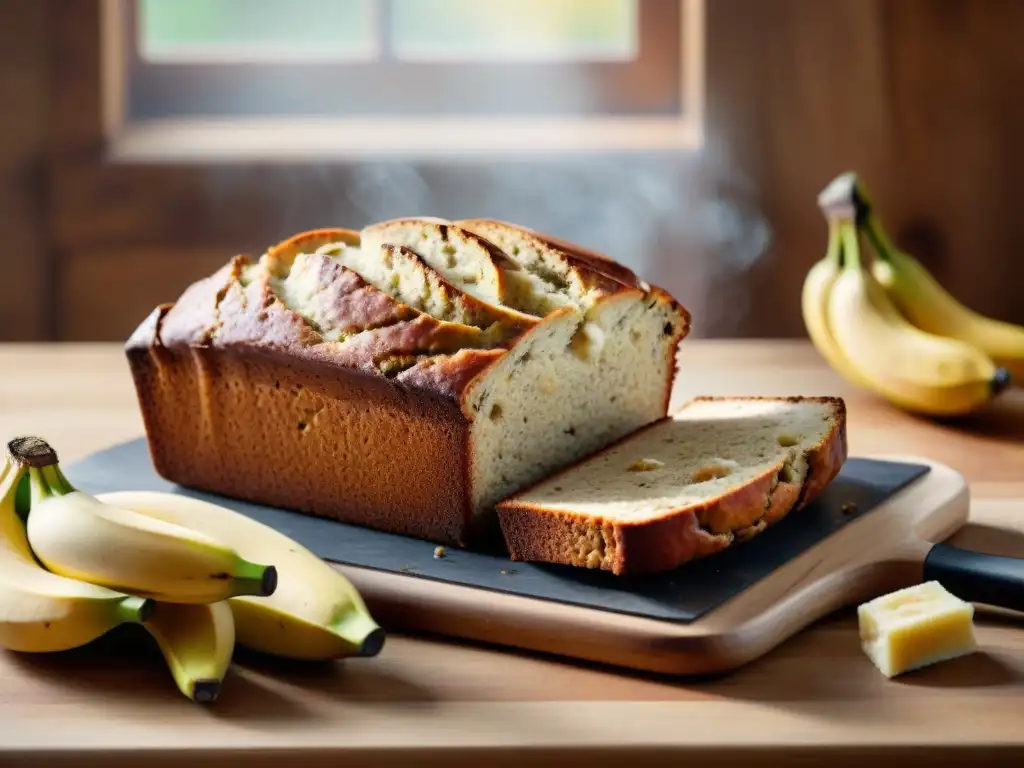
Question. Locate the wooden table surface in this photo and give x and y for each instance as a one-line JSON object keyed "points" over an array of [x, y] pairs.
{"points": [[433, 702]]}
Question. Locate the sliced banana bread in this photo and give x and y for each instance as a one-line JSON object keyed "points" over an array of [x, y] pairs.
{"points": [[465, 260], [550, 254], [354, 379], [720, 470], [399, 271]]}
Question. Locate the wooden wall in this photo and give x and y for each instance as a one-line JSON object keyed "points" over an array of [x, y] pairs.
{"points": [[24, 253], [922, 97]]}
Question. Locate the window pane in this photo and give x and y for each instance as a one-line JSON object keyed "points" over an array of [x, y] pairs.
{"points": [[191, 30], [514, 29]]}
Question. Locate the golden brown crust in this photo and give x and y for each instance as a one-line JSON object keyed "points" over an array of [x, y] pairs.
{"points": [[394, 341], [147, 334], [328, 417], [272, 429], [281, 256], [596, 271], [826, 459], [597, 261], [451, 376], [589, 258], [678, 332], [194, 317], [446, 230], [535, 533]]}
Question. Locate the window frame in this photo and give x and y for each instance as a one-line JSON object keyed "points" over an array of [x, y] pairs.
{"points": [[158, 203], [386, 88], [637, 124]]}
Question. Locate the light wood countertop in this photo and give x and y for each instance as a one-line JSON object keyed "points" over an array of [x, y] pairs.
{"points": [[433, 702]]}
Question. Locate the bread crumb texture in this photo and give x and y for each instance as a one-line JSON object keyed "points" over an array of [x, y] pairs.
{"points": [[707, 449]]}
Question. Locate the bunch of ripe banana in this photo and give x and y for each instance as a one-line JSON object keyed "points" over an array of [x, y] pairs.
{"points": [[197, 576], [888, 325]]}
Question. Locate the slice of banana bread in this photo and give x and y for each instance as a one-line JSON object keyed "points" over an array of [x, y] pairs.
{"points": [[718, 471]]}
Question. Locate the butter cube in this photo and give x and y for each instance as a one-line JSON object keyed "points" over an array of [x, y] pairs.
{"points": [[915, 627]]}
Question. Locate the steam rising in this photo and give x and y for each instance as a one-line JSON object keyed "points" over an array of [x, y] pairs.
{"points": [[689, 225], [686, 221]]}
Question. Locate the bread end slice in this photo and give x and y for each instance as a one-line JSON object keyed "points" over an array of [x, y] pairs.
{"points": [[717, 472]]}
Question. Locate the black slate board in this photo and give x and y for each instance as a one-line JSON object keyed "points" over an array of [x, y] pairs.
{"points": [[682, 596]]}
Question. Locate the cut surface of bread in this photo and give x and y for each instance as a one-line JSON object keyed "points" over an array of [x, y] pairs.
{"points": [[342, 307], [398, 272], [719, 470], [556, 397], [576, 254], [466, 261], [562, 273]]}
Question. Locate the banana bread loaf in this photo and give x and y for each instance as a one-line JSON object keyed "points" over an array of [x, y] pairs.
{"points": [[719, 470], [405, 377]]}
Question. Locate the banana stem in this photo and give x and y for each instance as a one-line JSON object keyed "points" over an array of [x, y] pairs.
{"points": [[58, 482], [205, 691], [879, 239], [835, 243], [40, 487], [365, 635], [23, 498], [47, 483], [851, 245], [867, 221], [253, 579], [135, 610]]}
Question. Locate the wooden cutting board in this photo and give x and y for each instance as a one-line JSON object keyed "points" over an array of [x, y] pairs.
{"points": [[868, 534]]}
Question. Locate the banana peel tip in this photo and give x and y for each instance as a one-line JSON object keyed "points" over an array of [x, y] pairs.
{"points": [[372, 644], [268, 583], [1001, 380], [205, 691], [254, 580], [138, 609]]}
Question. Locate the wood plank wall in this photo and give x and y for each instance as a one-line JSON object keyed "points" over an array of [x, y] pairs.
{"points": [[24, 254], [920, 96]]}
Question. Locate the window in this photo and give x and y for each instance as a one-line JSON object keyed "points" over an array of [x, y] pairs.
{"points": [[151, 187], [417, 75]]}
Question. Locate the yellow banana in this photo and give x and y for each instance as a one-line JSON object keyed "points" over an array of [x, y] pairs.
{"points": [[814, 305], [76, 535], [198, 643], [914, 369], [927, 304], [40, 611], [315, 613]]}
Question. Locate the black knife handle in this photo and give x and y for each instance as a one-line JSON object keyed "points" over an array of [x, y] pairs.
{"points": [[977, 577]]}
